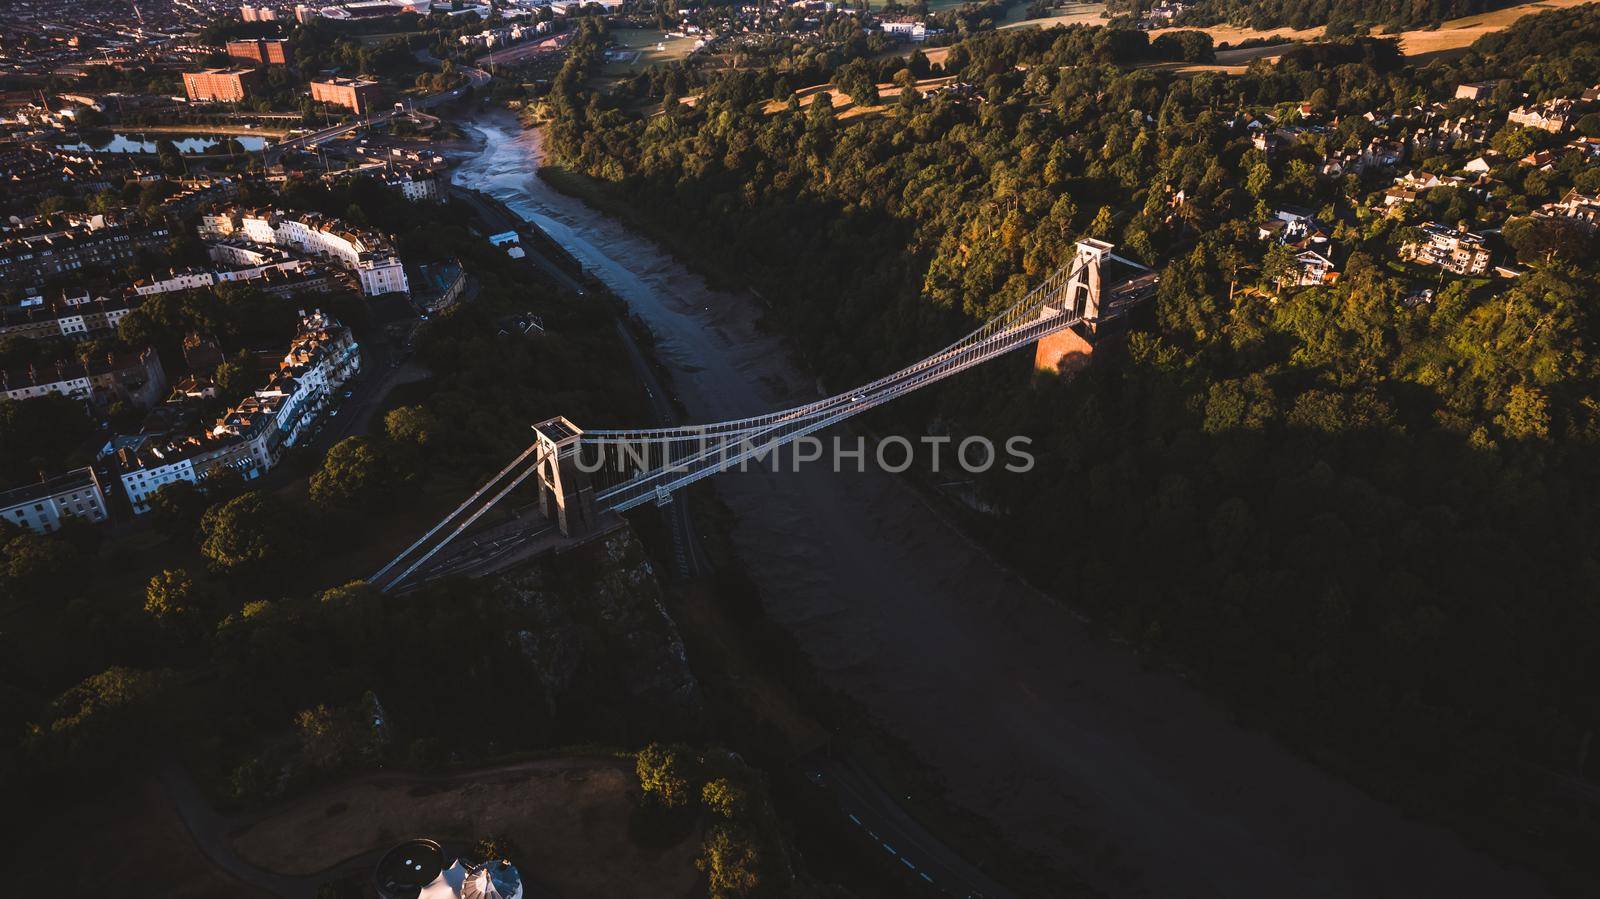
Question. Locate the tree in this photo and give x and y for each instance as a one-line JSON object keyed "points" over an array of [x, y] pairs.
{"points": [[171, 596], [731, 861], [857, 79], [494, 847], [32, 562], [38, 434], [722, 796], [251, 531], [236, 378], [664, 773], [176, 508], [356, 473], [415, 425], [329, 738], [102, 719], [1184, 46]]}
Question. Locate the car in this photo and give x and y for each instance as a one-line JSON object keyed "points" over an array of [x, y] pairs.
{"points": [[349, 393]]}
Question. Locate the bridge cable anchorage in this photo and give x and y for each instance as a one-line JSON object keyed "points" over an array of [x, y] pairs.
{"points": [[377, 577], [627, 468]]}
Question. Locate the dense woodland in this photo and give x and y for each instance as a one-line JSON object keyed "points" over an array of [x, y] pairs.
{"points": [[1370, 524]]}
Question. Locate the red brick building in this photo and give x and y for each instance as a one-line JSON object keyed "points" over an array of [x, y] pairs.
{"points": [[355, 94], [262, 51], [224, 85]]}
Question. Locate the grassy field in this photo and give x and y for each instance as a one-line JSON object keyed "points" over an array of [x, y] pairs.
{"points": [[1457, 34], [652, 46], [1072, 14], [933, 5], [570, 821], [1451, 37]]}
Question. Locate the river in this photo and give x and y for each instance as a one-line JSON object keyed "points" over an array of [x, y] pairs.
{"points": [[1129, 778]]}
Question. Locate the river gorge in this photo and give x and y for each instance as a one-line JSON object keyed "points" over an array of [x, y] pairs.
{"points": [[1125, 776]]}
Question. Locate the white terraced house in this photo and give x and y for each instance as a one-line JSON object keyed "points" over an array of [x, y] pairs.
{"points": [[368, 255]]}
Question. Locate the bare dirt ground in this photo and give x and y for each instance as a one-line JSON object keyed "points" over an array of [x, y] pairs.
{"points": [[139, 846], [568, 818]]}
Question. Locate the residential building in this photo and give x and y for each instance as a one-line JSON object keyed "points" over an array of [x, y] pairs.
{"points": [[358, 95], [417, 187], [136, 378], [44, 507], [904, 28], [154, 462], [221, 85], [258, 14], [249, 439], [1574, 207], [1315, 269], [1461, 252], [174, 281], [260, 51], [368, 255], [71, 247], [1553, 116], [1478, 90], [78, 317]]}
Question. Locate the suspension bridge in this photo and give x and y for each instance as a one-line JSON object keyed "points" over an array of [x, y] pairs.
{"points": [[584, 476]]}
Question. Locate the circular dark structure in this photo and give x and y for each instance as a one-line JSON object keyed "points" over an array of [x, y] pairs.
{"points": [[407, 868]]}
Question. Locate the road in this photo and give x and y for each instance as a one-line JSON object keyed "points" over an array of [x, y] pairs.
{"points": [[475, 78], [877, 818]]}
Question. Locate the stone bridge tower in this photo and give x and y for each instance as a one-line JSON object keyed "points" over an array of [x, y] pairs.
{"points": [[1100, 296], [566, 496]]}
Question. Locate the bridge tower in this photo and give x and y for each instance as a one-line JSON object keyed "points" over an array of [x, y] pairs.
{"points": [[566, 495], [1069, 349]]}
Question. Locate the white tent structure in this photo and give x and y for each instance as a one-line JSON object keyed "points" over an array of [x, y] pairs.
{"points": [[493, 880], [447, 885]]}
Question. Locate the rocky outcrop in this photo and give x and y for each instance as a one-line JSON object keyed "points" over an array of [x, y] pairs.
{"points": [[604, 649]]}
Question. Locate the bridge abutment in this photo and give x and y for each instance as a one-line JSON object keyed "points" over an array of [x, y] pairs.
{"points": [[1064, 352], [1096, 304]]}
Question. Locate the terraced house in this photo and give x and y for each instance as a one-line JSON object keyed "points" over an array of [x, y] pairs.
{"points": [[370, 256]]}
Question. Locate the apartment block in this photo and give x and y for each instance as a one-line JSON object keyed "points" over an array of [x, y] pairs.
{"points": [[355, 94], [221, 85], [260, 51]]}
